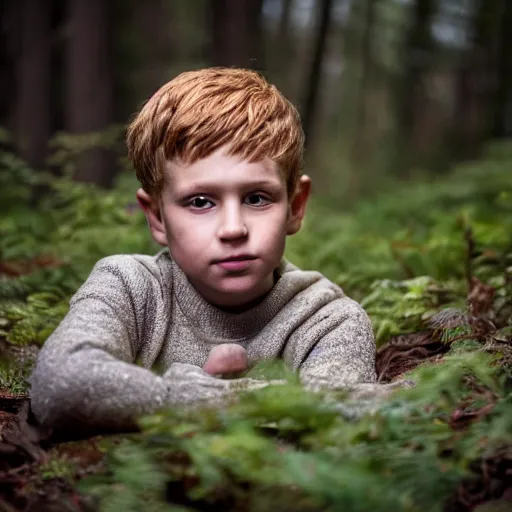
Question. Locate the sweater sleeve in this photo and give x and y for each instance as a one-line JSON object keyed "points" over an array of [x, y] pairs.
{"points": [[85, 377], [345, 354], [85, 374]]}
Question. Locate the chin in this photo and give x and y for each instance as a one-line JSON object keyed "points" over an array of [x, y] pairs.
{"points": [[241, 289], [239, 286]]}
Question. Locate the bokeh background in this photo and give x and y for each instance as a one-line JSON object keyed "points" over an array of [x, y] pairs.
{"points": [[388, 89]]}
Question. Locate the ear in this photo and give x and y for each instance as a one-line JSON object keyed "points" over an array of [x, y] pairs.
{"points": [[152, 212], [297, 206]]}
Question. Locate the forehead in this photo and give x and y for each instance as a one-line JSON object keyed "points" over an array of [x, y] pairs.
{"points": [[220, 170]]}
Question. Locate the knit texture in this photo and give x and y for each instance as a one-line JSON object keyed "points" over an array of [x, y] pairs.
{"points": [[137, 334]]}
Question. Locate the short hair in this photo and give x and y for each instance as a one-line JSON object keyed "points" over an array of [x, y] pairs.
{"points": [[200, 111]]}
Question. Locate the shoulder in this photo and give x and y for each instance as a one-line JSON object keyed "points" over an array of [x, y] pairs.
{"points": [[310, 284], [121, 274], [325, 298], [130, 264]]}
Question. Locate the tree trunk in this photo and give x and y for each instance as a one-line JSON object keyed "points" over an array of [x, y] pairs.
{"points": [[236, 28], [478, 81], [284, 21], [152, 27], [89, 85], [10, 18], [281, 58], [313, 86], [32, 109], [360, 152], [417, 52], [502, 116]]}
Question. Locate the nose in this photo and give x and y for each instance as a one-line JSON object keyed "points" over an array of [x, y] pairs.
{"points": [[232, 225]]}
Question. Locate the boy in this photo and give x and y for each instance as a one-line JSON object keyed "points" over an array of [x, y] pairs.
{"points": [[218, 153]]}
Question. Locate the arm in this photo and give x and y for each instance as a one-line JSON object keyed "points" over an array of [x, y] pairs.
{"points": [[345, 354], [85, 376]]}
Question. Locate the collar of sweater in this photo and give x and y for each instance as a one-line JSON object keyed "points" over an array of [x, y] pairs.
{"points": [[219, 326]]}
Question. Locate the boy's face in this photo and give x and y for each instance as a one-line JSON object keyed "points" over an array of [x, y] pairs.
{"points": [[225, 221]]}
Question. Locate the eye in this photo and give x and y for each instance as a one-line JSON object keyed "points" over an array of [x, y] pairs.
{"points": [[257, 200], [200, 203]]}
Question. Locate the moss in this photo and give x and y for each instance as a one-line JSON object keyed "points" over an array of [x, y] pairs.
{"points": [[58, 467]]}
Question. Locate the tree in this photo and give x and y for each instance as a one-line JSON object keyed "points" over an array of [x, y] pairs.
{"points": [[32, 109], [151, 25], [9, 15], [502, 115], [479, 91], [417, 50], [280, 63], [89, 84], [313, 85], [360, 143], [236, 33], [284, 21]]}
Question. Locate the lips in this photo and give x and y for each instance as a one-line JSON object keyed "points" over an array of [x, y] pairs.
{"points": [[238, 257], [236, 263]]}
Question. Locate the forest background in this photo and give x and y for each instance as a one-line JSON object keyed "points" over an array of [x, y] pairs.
{"points": [[387, 89], [407, 109]]}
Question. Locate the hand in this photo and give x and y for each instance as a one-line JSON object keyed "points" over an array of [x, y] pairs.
{"points": [[189, 384], [226, 360]]}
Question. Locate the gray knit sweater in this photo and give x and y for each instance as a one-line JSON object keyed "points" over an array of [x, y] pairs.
{"points": [[136, 313]]}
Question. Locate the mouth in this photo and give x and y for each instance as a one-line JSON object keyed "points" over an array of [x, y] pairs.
{"points": [[236, 263], [238, 257]]}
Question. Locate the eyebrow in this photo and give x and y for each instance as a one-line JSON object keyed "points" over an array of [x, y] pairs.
{"points": [[215, 186]]}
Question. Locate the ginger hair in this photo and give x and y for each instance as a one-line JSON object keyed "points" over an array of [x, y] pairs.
{"points": [[201, 111]]}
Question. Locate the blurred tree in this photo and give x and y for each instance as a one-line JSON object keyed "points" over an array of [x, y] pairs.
{"points": [[360, 153], [32, 121], [89, 84], [9, 43], [281, 50], [151, 23], [236, 33], [310, 103], [502, 117], [418, 49], [478, 79], [284, 21]]}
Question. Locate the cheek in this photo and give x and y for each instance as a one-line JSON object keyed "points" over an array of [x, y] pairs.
{"points": [[178, 222], [272, 231], [187, 240], [183, 234]]}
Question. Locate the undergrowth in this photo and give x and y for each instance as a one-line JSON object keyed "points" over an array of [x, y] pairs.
{"points": [[281, 445], [431, 258]]}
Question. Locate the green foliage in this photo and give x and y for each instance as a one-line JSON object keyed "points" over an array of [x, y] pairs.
{"points": [[50, 246], [405, 255], [32, 320], [403, 306], [57, 467], [143, 489], [418, 229], [14, 377], [292, 445]]}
